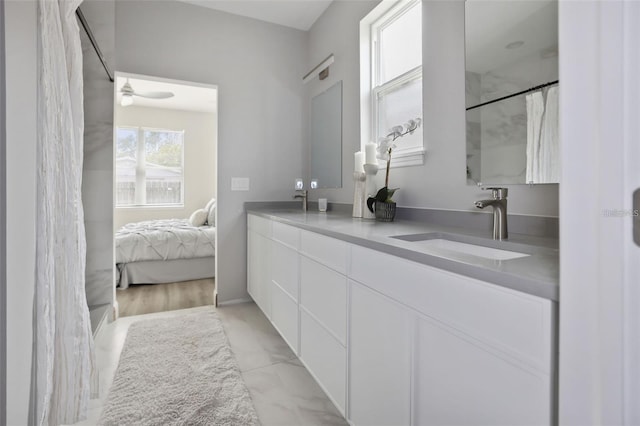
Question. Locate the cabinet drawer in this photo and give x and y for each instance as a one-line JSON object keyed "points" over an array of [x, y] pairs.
{"points": [[284, 315], [452, 372], [325, 357], [284, 268], [379, 359], [328, 251], [323, 292], [259, 224], [517, 323], [258, 275], [286, 234]]}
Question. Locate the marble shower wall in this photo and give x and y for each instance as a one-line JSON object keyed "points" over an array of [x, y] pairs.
{"points": [[497, 133], [474, 141], [97, 183]]}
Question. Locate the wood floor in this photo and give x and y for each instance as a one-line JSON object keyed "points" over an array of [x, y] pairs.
{"points": [[146, 299]]}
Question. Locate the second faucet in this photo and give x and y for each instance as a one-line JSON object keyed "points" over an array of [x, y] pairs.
{"points": [[304, 195], [499, 204]]}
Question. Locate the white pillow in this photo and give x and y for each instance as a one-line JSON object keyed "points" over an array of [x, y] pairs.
{"points": [[211, 217], [198, 218], [209, 204]]}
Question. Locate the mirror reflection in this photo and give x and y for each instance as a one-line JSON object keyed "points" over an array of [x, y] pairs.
{"points": [[326, 138], [512, 91]]}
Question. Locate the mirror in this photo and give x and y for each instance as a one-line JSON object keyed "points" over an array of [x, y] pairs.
{"points": [[326, 138], [512, 91]]}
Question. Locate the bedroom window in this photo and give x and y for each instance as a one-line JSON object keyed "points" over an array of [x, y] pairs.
{"points": [[391, 75], [149, 167]]}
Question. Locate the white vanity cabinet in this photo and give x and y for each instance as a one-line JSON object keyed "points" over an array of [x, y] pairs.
{"points": [[323, 313], [380, 359], [478, 353], [392, 341], [285, 282], [258, 262], [460, 381], [273, 276]]}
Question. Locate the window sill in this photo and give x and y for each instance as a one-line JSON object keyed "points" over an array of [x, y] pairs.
{"points": [[405, 158]]}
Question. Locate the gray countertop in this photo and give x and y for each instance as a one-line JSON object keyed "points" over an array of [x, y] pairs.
{"points": [[536, 274]]}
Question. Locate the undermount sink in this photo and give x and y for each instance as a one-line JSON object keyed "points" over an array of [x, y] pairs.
{"points": [[457, 243]]}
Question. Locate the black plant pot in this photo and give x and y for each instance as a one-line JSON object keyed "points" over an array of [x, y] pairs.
{"points": [[385, 212]]}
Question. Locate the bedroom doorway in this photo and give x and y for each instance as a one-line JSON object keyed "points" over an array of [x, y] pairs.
{"points": [[165, 180]]}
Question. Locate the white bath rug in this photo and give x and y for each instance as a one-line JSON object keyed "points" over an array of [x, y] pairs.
{"points": [[178, 371]]}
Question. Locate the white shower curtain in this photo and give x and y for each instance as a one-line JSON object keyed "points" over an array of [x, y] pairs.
{"points": [[543, 143], [63, 355], [535, 112]]}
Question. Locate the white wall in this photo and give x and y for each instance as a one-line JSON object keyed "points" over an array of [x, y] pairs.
{"points": [[337, 31], [258, 69], [441, 182], [599, 368], [200, 130], [21, 77]]}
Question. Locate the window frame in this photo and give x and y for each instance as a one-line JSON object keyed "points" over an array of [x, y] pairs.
{"points": [[381, 17], [141, 139]]}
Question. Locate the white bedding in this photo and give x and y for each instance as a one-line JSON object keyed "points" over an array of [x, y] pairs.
{"points": [[164, 240]]}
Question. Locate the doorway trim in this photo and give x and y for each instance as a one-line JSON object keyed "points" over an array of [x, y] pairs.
{"points": [[599, 264], [125, 74], [3, 227]]}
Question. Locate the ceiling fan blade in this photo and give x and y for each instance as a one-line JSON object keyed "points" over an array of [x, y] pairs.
{"points": [[154, 95]]}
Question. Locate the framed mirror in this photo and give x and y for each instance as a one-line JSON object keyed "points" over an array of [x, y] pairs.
{"points": [[326, 138], [511, 74]]}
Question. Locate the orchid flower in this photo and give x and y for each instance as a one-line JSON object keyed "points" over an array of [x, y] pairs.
{"points": [[386, 144]]}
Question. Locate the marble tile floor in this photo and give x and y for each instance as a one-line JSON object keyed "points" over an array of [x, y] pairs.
{"points": [[283, 392]]}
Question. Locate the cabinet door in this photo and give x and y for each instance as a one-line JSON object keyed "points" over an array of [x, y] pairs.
{"points": [[323, 293], [258, 279], [284, 315], [325, 357], [380, 359], [285, 268], [285, 277], [460, 381]]}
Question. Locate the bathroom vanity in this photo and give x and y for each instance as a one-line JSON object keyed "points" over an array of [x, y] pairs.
{"points": [[407, 323]]}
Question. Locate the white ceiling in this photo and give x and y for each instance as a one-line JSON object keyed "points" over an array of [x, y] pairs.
{"points": [[186, 97], [491, 25], [299, 14]]}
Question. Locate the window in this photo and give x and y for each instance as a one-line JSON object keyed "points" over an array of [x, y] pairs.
{"points": [[149, 167], [391, 73]]}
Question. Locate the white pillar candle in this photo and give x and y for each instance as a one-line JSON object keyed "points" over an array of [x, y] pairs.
{"points": [[371, 151], [359, 162]]}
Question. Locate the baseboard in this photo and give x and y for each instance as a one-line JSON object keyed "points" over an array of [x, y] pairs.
{"points": [[101, 323], [234, 301]]}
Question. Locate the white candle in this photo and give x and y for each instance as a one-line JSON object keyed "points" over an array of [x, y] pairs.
{"points": [[359, 162], [371, 150]]}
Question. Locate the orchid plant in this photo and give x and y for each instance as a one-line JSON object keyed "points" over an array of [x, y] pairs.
{"points": [[386, 145]]}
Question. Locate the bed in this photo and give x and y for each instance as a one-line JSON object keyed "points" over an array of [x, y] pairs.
{"points": [[161, 251]]}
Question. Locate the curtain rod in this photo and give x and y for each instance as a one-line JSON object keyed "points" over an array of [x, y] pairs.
{"points": [[533, 89], [94, 42]]}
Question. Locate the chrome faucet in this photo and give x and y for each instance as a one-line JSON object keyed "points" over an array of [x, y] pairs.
{"points": [[303, 194], [499, 204]]}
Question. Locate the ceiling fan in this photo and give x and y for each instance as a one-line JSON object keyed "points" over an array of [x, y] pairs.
{"points": [[128, 93]]}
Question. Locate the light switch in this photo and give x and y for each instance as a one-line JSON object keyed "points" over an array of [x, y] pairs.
{"points": [[239, 183]]}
